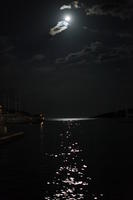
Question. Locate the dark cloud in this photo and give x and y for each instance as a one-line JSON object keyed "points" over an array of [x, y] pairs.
{"points": [[125, 35], [45, 69], [38, 58], [122, 9], [6, 50], [6, 45], [88, 53], [116, 54], [98, 52], [7, 57], [38, 63]]}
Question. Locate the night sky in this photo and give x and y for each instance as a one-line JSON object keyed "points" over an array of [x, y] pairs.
{"points": [[84, 70]]}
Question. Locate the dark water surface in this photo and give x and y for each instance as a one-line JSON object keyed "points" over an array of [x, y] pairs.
{"points": [[19, 165], [87, 160], [79, 160]]}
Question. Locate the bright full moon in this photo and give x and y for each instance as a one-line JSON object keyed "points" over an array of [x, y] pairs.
{"points": [[67, 18]]}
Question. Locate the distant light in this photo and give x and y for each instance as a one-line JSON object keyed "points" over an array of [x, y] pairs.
{"points": [[70, 119], [67, 18]]}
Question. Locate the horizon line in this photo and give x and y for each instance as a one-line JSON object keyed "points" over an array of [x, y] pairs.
{"points": [[71, 119]]}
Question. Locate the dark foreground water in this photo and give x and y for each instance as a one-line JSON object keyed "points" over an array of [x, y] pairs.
{"points": [[79, 160], [19, 165]]}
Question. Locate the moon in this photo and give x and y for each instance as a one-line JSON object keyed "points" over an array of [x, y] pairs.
{"points": [[67, 18]]}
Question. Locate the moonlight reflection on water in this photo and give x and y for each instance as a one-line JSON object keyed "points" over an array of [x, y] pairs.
{"points": [[70, 181]]}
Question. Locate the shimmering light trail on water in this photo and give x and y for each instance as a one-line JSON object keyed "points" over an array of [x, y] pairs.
{"points": [[70, 119], [71, 180]]}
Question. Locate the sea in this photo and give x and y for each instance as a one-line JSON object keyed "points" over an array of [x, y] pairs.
{"points": [[72, 159]]}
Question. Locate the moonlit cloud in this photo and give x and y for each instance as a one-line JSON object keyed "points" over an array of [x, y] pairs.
{"points": [[65, 7], [61, 26], [122, 10], [74, 4], [64, 24]]}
